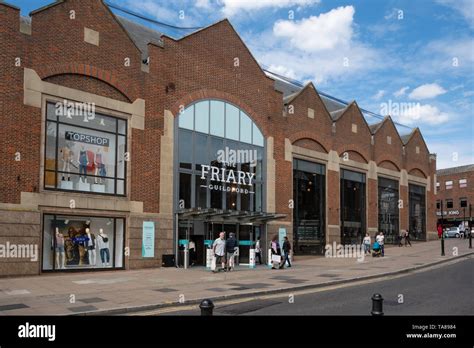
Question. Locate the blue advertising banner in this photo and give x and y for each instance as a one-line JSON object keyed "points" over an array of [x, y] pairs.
{"points": [[148, 239], [281, 235]]}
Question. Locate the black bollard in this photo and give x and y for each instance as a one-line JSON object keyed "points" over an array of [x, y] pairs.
{"points": [[377, 305], [442, 246], [206, 307], [470, 239]]}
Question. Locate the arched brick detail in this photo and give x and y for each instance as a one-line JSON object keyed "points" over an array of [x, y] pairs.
{"points": [[87, 70], [308, 135], [417, 172], [396, 165], [224, 96], [310, 144], [355, 150]]}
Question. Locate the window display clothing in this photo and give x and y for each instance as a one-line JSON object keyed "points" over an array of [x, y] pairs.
{"points": [[59, 242], [103, 244], [60, 252], [83, 161], [66, 158], [99, 167], [91, 247]]}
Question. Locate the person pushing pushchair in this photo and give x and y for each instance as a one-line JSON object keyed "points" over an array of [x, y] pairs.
{"points": [[376, 250]]}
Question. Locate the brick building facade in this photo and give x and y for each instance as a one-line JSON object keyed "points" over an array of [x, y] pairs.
{"points": [[455, 187], [92, 56]]}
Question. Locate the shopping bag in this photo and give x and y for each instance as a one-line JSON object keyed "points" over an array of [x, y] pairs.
{"points": [[213, 263], [276, 258]]}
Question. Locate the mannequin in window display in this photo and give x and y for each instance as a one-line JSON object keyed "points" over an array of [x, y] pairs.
{"points": [[60, 253], [66, 158], [99, 167], [83, 163], [69, 246], [91, 247], [103, 244]]}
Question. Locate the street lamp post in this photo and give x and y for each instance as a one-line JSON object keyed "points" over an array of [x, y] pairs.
{"points": [[464, 223], [469, 226], [442, 229]]}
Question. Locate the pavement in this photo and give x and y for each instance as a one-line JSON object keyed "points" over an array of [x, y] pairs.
{"points": [[442, 290], [127, 291]]}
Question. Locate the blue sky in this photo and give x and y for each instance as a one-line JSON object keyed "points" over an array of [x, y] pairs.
{"points": [[413, 59]]}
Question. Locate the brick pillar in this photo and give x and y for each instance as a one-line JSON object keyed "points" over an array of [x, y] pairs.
{"points": [[372, 207], [405, 208]]}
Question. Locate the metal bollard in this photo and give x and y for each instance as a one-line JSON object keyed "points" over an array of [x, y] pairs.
{"points": [[442, 246], [470, 240], [377, 305], [206, 307]]}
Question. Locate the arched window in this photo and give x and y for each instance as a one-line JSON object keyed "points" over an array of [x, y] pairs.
{"points": [[220, 158]]}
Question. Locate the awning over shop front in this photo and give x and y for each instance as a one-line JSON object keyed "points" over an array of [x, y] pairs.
{"points": [[227, 216]]}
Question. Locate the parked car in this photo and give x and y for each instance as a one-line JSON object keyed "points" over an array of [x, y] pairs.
{"points": [[453, 232]]}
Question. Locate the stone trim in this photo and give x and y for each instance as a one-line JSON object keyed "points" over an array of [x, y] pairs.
{"points": [[167, 165], [270, 177], [32, 200], [34, 88], [307, 153]]}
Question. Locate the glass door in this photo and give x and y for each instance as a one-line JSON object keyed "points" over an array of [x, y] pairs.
{"points": [[246, 240]]}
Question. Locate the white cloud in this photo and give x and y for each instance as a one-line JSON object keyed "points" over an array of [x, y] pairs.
{"points": [[427, 91], [231, 7], [464, 7], [379, 94], [282, 70], [394, 13], [317, 33], [205, 4], [451, 154], [401, 91], [317, 48], [416, 113], [166, 14]]}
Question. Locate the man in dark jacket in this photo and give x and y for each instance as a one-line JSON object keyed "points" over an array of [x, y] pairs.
{"points": [[231, 247], [286, 250]]}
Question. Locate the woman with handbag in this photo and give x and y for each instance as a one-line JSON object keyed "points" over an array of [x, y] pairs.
{"points": [[276, 253]]}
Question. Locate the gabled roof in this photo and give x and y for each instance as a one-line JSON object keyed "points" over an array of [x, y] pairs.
{"points": [[376, 126], [336, 114], [119, 22], [408, 137], [9, 5], [354, 104], [290, 98], [57, 2], [455, 170], [141, 35]]}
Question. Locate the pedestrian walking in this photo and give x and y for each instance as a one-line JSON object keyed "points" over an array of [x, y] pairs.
{"points": [[231, 249], [192, 252], [367, 241], [286, 250], [276, 252], [258, 251], [440, 231], [218, 247], [407, 238], [401, 237], [380, 239], [462, 229]]}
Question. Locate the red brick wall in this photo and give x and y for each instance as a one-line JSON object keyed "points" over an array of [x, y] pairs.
{"points": [[456, 192], [201, 65]]}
